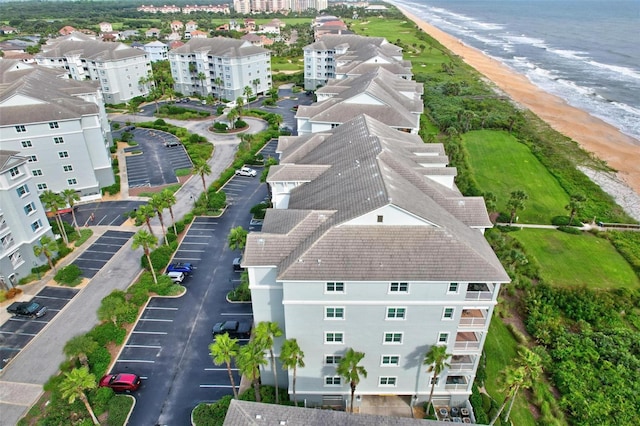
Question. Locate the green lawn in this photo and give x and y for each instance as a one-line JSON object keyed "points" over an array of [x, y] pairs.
{"points": [[576, 260], [500, 348], [501, 165]]}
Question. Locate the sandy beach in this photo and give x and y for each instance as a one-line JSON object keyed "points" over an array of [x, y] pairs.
{"points": [[620, 151]]}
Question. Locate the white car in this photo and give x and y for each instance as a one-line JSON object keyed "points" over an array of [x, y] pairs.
{"points": [[176, 277], [246, 171]]}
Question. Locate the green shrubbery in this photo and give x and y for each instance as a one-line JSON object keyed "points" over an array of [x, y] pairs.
{"points": [[68, 275]]}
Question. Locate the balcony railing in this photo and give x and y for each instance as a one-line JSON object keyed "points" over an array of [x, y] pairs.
{"points": [[473, 318], [456, 383], [467, 345], [461, 367], [467, 341], [479, 291]]}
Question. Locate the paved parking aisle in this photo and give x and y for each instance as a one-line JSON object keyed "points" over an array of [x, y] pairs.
{"points": [[99, 253], [195, 242], [17, 332], [103, 213]]}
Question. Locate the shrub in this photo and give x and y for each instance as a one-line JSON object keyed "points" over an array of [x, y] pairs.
{"points": [[212, 414], [119, 409], [159, 257], [99, 399], [106, 333], [217, 200], [570, 230], [520, 338], [69, 275], [220, 127], [240, 124], [99, 361]]}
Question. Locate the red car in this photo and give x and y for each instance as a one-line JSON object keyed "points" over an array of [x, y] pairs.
{"points": [[121, 382]]}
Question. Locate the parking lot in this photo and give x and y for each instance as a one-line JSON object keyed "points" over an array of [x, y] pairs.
{"points": [[100, 252], [105, 213], [17, 332]]}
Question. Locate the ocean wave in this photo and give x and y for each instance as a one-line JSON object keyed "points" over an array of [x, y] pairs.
{"points": [[569, 54], [625, 71], [523, 39]]}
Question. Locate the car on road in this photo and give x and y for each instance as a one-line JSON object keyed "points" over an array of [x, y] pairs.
{"points": [[172, 143], [237, 264], [185, 268], [246, 171], [236, 329], [176, 277], [27, 309], [121, 382]]}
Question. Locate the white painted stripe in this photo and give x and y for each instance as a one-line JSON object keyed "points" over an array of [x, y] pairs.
{"points": [[156, 320], [17, 334], [190, 242], [193, 251], [216, 386], [239, 313], [143, 346], [149, 332], [161, 308], [219, 369], [51, 297], [139, 361]]}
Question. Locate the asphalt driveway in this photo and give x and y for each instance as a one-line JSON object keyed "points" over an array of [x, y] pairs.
{"points": [[100, 252]]}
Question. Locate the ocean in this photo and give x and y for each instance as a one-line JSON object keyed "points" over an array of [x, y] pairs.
{"points": [[585, 51]]}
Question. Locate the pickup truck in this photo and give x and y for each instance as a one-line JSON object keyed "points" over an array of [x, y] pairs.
{"points": [[236, 329], [185, 268], [27, 309]]}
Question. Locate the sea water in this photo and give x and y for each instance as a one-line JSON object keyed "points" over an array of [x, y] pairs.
{"points": [[584, 51]]}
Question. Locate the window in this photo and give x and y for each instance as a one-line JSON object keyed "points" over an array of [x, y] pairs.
{"points": [[26, 144], [443, 337], [36, 225], [332, 359], [15, 258], [22, 190], [399, 288], [453, 288], [396, 313], [67, 168], [29, 208], [32, 158], [53, 125], [390, 360], [21, 129], [42, 186], [335, 288], [333, 337], [392, 338], [380, 219], [332, 380], [15, 172], [36, 172], [72, 181], [58, 140], [448, 313], [63, 154], [387, 381], [334, 313]]}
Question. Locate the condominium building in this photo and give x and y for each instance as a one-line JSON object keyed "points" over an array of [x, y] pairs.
{"points": [[117, 67], [223, 67], [371, 246], [23, 221], [157, 51], [59, 125]]}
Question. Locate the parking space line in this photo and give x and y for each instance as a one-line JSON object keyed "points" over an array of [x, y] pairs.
{"points": [[149, 332], [143, 346], [161, 308], [216, 386], [189, 242], [232, 314], [52, 297], [197, 236], [17, 334], [193, 251], [219, 369], [140, 361], [18, 319], [156, 320]]}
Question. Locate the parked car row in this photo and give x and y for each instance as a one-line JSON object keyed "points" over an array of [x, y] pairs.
{"points": [[178, 271]]}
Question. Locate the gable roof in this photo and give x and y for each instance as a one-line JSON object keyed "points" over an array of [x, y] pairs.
{"points": [[220, 46], [90, 50]]}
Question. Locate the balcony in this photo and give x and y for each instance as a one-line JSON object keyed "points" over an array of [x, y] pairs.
{"points": [[456, 383], [474, 317], [467, 341], [479, 291], [462, 363]]}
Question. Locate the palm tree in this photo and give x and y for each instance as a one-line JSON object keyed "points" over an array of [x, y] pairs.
{"points": [[169, 200], [80, 346], [70, 197], [148, 242], [202, 168], [350, 369], [237, 238], [232, 116], [265, 333], [525, 371], [54, 202], [574, 206], [291, 356], [239, 105], [436, 359], [247, 92], [218, 82], [256, 83], [490, 201], [222, 351], [48, 247], [75, 383], [515, 203], [144, 214], [157, 204], [249, 360], [201, 77]]}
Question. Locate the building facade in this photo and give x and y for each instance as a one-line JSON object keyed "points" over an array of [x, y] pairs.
{"points": [[60, 126], [23, 220], [222, 67], [157, 51]]}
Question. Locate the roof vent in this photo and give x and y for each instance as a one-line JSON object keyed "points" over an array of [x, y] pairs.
{"points": [[283, 422], [319, 261], [258, 416]]}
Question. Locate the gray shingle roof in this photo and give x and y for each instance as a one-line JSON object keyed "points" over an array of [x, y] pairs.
{"points": [[9, 159], [354, 43], [90, 50], [220, 46]]}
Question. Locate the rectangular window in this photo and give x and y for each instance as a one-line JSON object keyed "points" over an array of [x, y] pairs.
{"points": [[392, 338], [448, 313], [53, 125], [22, 190], [335, 288], [36, 225], [32, 158], [453, 288], [36, 172], [63, 154], [72, 182], [334, 313], [443, 337], [58, 140], [332, 380], [333, 337], [26, 144], [332, 359], [42, 186], [29, 208], [21, 129], [399, 288], [15, 258], [380, 219], [390, 360], [387, 381], [396, 313], [67, 168], [15, 172]]}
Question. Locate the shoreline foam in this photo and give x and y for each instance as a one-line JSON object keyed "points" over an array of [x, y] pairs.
{"points": [[619, 150]]}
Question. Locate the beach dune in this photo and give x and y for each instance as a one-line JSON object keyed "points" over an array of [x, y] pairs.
{"points": [[620, 151]]}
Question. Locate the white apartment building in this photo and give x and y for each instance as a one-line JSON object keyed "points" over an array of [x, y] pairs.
{"points": [[117, 67], [59, 125], [220, 66], [157, 51], [23, 220], [371, 246]]}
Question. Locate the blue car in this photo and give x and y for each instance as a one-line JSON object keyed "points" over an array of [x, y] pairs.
{"points": [[185, 268]]}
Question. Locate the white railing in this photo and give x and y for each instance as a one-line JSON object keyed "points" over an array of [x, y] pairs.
{"points": [[473, 321], [456, 386], [478, 295], [467, 345], [463, 366]]}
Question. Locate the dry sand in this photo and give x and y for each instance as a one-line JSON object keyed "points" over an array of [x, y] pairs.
{"points": [[620, 151]]}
